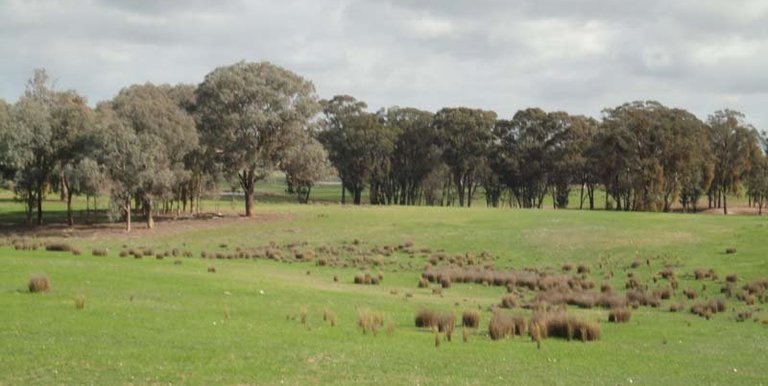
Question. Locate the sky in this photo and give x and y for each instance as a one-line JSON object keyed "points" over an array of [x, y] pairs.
{"points": [[579, 56]]}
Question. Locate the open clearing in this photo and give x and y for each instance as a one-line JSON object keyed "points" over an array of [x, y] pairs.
{"points": [[157, 321]]}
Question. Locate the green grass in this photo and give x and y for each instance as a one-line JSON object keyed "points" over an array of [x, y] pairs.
{"points": [[149, 321]]}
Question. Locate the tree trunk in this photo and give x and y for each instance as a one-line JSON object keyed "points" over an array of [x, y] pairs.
{"points": [[128, 215], [148, 213], [40, 204], [246, 182], [343, 192], [70, 220], [725, 204]]}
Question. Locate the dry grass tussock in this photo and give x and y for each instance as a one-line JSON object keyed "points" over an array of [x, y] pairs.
{"points": [[619, 315], [503, 325], [470, 318], [561, 325], [39, 283], [369, 321]]}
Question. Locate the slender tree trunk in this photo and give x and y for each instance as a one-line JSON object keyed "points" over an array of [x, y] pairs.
{"points": [[725, 203], [343, 192], [128, 215], [70, 220], [148, 213], [40, 204], [246, 182]]}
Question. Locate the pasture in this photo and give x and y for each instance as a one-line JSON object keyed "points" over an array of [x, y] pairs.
{"points": [[273, 299]]}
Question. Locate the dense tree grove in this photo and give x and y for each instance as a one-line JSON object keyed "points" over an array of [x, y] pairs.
{"points": [[158, 148]]}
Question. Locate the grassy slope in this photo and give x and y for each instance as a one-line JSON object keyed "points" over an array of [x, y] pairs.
{"points": [[150, 321]]}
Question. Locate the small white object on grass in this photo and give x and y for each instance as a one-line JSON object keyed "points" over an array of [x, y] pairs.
{"points": [[261, 292]]}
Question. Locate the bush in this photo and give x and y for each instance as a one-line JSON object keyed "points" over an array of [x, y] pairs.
{"points": [[619, 315], [58, 247], [100, 252], [39, 283], [470, 318]]}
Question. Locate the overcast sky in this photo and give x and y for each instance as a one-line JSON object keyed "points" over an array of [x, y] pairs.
{"points": [[577, 56]]}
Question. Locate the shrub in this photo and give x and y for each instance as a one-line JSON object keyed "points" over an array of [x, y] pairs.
{"points": [[470, 318], [619, 315], [100, 252], [58, 247], [39, 283]]}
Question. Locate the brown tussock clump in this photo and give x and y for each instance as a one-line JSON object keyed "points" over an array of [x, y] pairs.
{"points": [[211, 269], [423, 283], [690, 293], [470, 318], [619, 315], [426, 318], [369, 321], [731, 278], [39, 284], [446, 323], [562, 325], [503, 325], [100, 252], [79, 302], [58, 247]]}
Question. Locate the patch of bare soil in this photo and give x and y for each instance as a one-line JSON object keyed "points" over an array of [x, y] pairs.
{"points": [[164, 226]]}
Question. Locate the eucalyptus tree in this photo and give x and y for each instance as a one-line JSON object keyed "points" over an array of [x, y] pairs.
{"points": [[305, 163], [464, 135], [250, 113], [167, 134], [72, 140], [125, 158], [338, 113], [735, 147], [415, 152]]}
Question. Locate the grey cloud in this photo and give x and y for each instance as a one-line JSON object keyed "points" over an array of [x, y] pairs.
{"points": [[578, 56]]}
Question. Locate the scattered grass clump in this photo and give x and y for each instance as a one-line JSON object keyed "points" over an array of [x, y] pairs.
{"points": [[564, 326], [470, 318], [709, 308], [730, 250], [619, 315], [58, 247], [39, 283], [503, 325], [369, 321], [79, 302], [211, 269], [426, 318], [100, 252]]}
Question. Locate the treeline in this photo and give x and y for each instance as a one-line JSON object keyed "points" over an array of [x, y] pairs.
{"points": [[158, 148]]}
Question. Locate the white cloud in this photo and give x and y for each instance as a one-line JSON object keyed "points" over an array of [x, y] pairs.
{"points": [[557, 54]]}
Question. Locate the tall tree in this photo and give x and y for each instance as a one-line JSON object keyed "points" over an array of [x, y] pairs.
{"points": [[735, 147], [305, 163], [415, 153], [250, 113], [167, 133], [337, 113], [464, 135]]}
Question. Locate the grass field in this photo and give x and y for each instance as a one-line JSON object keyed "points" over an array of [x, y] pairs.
{"points": [[156, 321]]}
